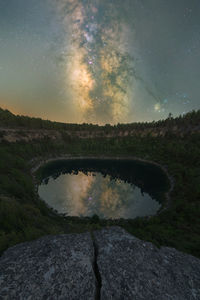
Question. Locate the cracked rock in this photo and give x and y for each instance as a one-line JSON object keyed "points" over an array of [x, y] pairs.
{"points": [[111, 264], [134, 269]]}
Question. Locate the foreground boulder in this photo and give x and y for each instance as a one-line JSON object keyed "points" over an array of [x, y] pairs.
{"points": [[111, 264], [53, 267], [134, 269]]}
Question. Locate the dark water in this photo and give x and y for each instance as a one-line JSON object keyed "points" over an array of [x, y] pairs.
{"points": [[109, 188]]}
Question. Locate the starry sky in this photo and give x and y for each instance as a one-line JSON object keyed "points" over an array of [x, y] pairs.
{"points": [[100, 61]]}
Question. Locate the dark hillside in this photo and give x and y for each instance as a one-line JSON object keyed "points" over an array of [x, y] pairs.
{"points": [[173, 143]]}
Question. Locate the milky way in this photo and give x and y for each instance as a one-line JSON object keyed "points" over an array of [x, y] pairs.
{"points": [[99, 67], [100, 61]]}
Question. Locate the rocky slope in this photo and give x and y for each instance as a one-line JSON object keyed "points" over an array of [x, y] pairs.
{"points": [[19, 134], [110, 264]]}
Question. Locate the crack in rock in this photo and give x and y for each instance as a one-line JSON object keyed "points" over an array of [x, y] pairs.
{"points": [[96, 270], [106, 264]]}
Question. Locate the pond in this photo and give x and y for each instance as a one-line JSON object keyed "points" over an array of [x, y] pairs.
{"points": [[109, 188]]}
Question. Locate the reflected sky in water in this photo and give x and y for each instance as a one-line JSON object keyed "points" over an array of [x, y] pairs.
{"points": [[93, 193]]}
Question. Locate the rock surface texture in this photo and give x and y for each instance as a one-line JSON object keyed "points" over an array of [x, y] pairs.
{"points": [[134, 269], [111, 264], [53, 267]]}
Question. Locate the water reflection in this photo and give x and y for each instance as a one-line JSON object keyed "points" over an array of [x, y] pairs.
{"points": [[89, 193]]}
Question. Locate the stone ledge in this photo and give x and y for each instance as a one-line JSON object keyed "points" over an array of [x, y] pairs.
{"points": [[110, 264], [134, 269], [53, 267]]}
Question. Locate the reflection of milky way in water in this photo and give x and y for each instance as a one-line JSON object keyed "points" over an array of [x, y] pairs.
{"points": [[86, 195], [99, 67]]}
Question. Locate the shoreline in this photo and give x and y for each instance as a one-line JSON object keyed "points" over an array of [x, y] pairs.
{"points": [[38, 163]]}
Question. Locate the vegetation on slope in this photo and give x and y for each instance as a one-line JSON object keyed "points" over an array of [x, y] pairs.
{"points": [[23, 216], [9, 120]]}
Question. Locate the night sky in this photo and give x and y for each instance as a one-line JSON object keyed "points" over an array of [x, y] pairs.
{"points": [[100, 61]]}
